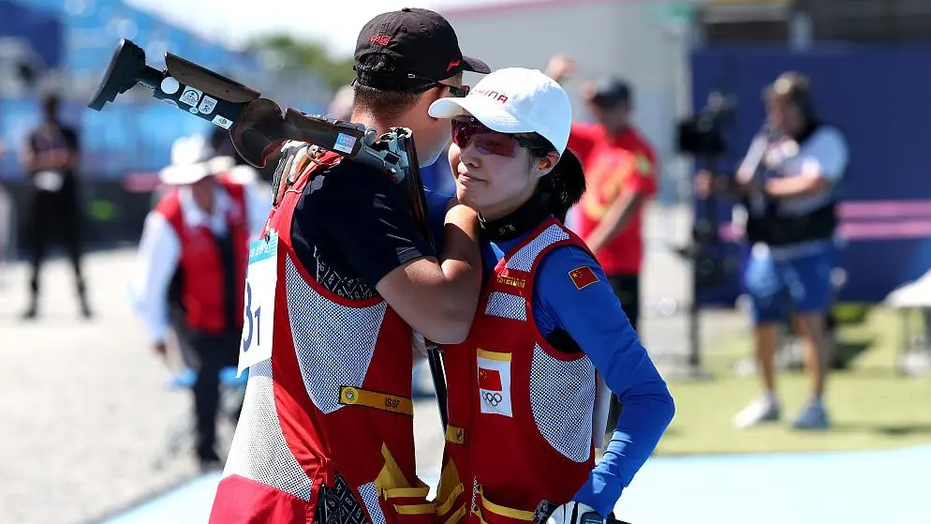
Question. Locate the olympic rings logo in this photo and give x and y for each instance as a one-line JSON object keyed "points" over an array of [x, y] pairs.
{"points": [[492, 399]]}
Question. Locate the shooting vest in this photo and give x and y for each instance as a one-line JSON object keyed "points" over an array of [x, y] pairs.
{"points": [[211, 272], [331, 407], [778, 222], [524, 432]]}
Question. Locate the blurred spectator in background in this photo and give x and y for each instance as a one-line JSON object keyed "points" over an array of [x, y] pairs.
{"points": [[191, 271], [621, 174], [340, 107], [51, 157], [788, 181]]}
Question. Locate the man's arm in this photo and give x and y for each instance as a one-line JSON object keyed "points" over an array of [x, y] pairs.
{"points": [[439, 299], [823, 165], [583, 136], [622, 211], [363, 213], [707, 183]]}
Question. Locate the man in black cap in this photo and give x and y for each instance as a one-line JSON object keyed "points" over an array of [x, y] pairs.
{"points": [[621, 175], [328, 415]]}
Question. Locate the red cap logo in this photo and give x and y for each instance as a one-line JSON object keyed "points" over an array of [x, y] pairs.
{"points": [[452, 64], [380, 39]]}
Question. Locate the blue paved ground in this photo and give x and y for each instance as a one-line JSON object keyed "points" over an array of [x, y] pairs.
{"points": [[845, 488]]}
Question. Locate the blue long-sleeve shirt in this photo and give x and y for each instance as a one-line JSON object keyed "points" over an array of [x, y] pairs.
{"points": [[593, 317]]}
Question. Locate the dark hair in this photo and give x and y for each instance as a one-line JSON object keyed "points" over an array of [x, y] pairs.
{"points": [[563, 187], [794, 87], [390, 104], [386, 104], [50, 100]]}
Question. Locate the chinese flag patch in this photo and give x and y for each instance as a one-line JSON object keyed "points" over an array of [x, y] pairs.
{"points": [[489, 379], [583, 277]]}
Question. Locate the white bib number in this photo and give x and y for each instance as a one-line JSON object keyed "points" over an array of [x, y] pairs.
{"points": [[259, 303]]}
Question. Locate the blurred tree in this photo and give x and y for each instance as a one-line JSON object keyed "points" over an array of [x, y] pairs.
{"points": [[290, 55]]}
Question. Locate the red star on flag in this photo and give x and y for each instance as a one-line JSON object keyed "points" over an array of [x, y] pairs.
{"points": [[489, 379], [583, 277]]}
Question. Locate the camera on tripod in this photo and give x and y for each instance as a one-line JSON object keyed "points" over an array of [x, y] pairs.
{"points": [[702, 136]]}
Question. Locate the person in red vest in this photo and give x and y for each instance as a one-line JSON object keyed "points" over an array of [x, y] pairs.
{"points": [[192, 270], [337, 286], [526, 390]]}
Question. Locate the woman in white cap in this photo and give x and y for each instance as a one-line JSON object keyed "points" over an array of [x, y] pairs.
{"points": [[522, 405]]}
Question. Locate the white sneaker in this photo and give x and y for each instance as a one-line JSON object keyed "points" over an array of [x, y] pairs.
{"points": [[763, 409]]}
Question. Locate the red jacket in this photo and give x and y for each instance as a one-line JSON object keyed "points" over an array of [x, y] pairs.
{"points": [[204, 269]]}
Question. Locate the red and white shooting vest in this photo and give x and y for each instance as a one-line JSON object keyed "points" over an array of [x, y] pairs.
{"points": [[202, 265], [333, 398], [528, 434]]}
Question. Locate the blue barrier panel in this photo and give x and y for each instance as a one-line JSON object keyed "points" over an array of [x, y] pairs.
{"points": [[877, 96], [43, 31]]}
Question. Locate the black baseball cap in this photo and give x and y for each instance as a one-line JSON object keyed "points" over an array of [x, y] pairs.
{"points": [[409, 50], [611, 90]]}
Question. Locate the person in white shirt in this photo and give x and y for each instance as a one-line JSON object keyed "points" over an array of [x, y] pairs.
{"points": [[789, 183], [190, 275]]}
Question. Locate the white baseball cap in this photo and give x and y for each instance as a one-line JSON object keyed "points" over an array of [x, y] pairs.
{"points": [[192, 158], [515, 100]]}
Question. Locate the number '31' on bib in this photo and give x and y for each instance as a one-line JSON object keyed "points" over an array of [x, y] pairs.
{"points": [[259, 302]]}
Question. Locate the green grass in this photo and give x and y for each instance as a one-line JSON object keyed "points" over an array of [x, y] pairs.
{"points": [[870, 404]]}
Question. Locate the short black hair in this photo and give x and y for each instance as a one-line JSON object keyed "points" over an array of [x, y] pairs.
{"points": [[390, 104], [612, 91], [385, 104]]}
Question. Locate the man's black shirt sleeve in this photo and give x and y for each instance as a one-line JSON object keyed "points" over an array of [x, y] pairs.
{"points": [[360, 214]]}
